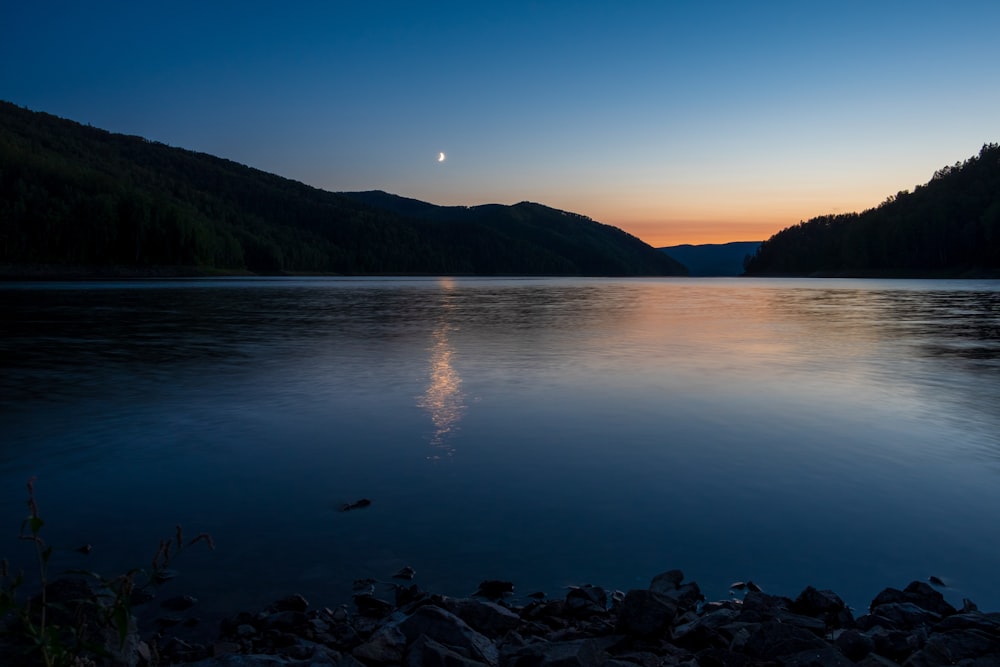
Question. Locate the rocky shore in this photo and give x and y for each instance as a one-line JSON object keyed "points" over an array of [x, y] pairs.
{"points": [[667, 624]]}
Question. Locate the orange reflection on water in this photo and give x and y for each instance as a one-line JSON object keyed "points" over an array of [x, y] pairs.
{"points": [[443, 398]]}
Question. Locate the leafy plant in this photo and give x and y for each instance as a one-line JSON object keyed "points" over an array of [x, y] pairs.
{"points": [[72, 628]]}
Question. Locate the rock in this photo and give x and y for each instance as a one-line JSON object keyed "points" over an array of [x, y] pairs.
{"points": [[773, 640], [446, 628], [666, 581], [758, 607], [902, 616], [494, 589], [969, 621], [935, 580], [426, 652], [824, 605], [949, 648], [385, 647], [825, 657], [586, 600], [372, 607], [722, 658], [286, 621], [892, 644], [854, 644], [356, 505], [484, 617], [918, 593], [646, 614], [406, 572], [579, 653]]}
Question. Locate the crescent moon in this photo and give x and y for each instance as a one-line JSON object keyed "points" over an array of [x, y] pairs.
{"points": [[441, 157]]}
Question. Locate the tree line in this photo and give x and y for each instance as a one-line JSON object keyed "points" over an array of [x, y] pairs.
{"points": [[948, 226], [76, 195]]}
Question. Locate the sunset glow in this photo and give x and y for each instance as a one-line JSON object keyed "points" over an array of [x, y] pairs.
{"points": [[680, 123]]}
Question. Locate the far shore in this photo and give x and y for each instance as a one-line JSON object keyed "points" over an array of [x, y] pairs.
{"points": [[72, 272]]}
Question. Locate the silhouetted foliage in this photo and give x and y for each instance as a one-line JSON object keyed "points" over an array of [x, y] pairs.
{"points": [[75, 195], [951, 225]]}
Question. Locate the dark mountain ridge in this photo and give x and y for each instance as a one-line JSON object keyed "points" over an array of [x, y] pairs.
{"points": [[949, 226], [713, 259], [78, 198]]}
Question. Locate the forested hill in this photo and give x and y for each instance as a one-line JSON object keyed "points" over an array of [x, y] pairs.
{"points": [[713, 259], [74, 197], [947, 227]]}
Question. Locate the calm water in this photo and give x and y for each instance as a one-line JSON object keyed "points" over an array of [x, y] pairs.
{"points": [[844, 434]]}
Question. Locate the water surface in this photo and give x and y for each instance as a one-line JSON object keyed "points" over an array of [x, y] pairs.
{"points": [[838, 433]]}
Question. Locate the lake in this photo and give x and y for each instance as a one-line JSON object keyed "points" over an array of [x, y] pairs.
{"points": [[837, 433]]}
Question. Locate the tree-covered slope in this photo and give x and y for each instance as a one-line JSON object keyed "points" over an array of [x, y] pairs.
{"points": [[713, 259], [73, 195], [949, 226]]}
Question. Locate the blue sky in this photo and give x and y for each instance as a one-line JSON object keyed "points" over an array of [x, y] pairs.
{"points": [[679, 122]]}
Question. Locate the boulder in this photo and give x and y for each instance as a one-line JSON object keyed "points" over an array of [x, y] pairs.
{"points": [[579, 653], [901, 616], [949, 648], [426, 652], [385, 647], [772, 639], [666, 581], [446, 628], [824, 605], [646, 614], [484, 617], [586, 600], [291, 603], [853, 644], [918, 593], [825, 657]]}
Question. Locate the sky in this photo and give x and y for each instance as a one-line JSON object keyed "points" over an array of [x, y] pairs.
{"points": [[680, 122]]}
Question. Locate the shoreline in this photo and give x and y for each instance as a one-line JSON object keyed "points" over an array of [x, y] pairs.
{"points": [[669, 623]]}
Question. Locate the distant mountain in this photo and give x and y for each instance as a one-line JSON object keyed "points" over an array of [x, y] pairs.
{"points": [[713, 259], [948, 227], [76, 199]]}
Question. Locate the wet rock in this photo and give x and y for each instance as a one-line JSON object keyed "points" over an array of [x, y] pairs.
{"points": [[892, 644], [670, 584], [406, 572], [901, 616], [646, 614], [286, 621], [494, 589], [853, 644], [586, 600], [356, 505], [970, 621], [666, 581], [950, 648], [446, 628], [425, 652], [825, 657], [372, 607], [918, 593], [385, 647], [773, 640], [579, 653], [484, 617], [824, 605], [759, 607]]}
